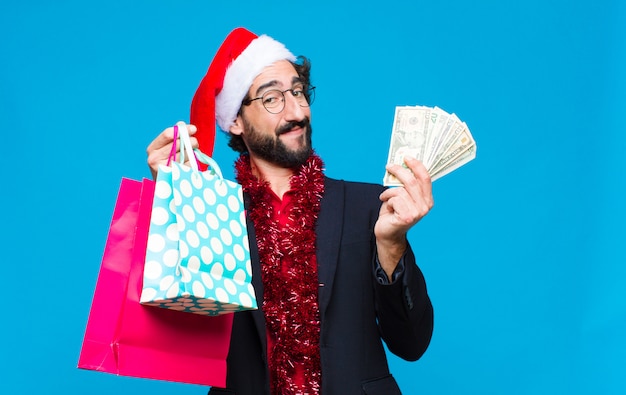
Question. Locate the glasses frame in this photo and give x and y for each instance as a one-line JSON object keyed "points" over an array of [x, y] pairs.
{"points": [[309, 95]]}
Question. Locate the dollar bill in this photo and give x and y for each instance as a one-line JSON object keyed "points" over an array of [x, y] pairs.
{"points": [[467, 156], [408, 137], [440, 140], [460, 148]]}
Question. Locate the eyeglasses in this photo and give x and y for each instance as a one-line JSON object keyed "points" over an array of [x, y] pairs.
{"points": [[274, 99]]}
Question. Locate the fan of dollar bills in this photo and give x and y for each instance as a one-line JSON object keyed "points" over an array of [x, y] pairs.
{"points": [[440, 140]]}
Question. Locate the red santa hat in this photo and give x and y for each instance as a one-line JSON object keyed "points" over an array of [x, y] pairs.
{"points": [[241, 57]]}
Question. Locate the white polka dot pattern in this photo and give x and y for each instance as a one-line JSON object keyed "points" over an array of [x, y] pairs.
{"points": [[198, 257]]}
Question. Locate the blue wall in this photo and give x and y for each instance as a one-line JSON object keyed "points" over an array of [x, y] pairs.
{"points": [[523, 252]]}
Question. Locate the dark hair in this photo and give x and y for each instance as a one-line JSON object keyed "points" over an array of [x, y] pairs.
{"points": [[303, 68]]}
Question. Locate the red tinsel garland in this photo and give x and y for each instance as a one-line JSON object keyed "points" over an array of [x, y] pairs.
{"points": [[289, 301]]}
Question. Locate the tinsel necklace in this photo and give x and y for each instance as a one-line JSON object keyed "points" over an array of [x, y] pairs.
{"points": [[289, 298]]}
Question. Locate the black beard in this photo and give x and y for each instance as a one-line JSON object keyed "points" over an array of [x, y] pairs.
{"points": [[273, 150]]}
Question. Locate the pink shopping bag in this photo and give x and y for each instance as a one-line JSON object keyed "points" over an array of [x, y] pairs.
{"points": [[126, 338]]}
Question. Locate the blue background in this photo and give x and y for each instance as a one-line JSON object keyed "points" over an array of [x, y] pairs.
{"points": [[523, 251]]}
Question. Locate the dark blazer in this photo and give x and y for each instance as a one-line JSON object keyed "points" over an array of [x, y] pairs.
{"points": [[356, 310]]}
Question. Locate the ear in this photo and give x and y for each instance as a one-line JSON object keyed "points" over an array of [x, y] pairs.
{"points": [[237, 126]]}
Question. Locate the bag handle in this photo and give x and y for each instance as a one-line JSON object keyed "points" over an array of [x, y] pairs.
{"points": [[195, 155], [173, 150]]}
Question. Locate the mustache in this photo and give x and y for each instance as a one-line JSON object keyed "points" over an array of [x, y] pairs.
{"points": [[305, 123]]}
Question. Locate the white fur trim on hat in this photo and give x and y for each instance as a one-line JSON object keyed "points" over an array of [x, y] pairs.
{"points": [[260, 53]]}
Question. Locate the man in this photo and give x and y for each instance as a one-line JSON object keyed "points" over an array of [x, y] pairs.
{"points": [[332, 269]]}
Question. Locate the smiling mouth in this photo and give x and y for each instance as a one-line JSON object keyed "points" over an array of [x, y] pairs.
{"points": [[294, 130]]}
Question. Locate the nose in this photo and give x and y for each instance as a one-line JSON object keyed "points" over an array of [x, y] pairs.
{"points": [[293, 110]]}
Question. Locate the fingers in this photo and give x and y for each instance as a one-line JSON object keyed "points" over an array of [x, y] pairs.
{"points": [[166, 137], [414, 199], [405, 209], [415, 169], [414, 178]]}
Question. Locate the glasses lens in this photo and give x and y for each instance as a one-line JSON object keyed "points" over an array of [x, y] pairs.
{"points": [[310, 95], [273, 101]]}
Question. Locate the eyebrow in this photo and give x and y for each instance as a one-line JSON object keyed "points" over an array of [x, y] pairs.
{"points": [[274, 83]]}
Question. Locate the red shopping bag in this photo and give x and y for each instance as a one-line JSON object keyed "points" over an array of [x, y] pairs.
{"points": [[126, 338]]}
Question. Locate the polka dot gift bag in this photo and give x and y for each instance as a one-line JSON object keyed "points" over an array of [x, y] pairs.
{"points": [[198, 256]]}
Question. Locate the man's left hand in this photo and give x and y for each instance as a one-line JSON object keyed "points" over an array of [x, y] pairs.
{"points": [[402, 208]]}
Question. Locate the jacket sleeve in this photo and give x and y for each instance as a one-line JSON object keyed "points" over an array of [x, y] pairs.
{"points": [[404, 310]]}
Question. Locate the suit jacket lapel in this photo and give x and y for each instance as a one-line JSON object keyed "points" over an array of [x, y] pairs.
{"points": [[329, 229], [257, 280]]}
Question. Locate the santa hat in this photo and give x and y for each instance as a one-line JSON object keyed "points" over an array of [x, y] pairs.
{"points": [[239, 60]]}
